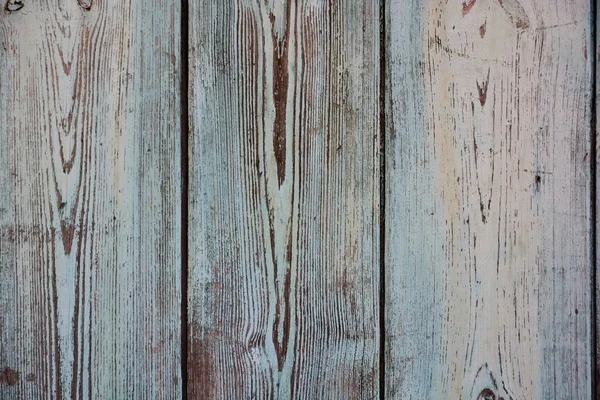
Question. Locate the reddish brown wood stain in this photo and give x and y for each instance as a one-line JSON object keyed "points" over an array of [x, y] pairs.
{"points": [[9, 377], [281, 82], [203, 385], [467, 6], [483, 88]]}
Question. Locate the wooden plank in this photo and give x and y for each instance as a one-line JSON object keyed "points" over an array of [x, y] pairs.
{"points": [[90, 199], [284, 203], [596, 188], [488, 200]]}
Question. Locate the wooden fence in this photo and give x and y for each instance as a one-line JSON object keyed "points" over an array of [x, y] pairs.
{"points": [[298, 199]]}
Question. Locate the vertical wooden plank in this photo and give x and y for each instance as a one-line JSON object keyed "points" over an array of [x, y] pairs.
{"points": [[284, 242], [89, 199], [488, 202], [595, 199]]}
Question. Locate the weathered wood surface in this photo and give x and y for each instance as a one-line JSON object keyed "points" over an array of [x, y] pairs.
{"points": [[487, 195], [488, 200], [284, 199], [90, 199], [596, 317]]}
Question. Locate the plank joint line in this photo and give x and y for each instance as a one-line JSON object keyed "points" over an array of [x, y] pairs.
{"points": [[382, 194], [593, 212], [184, 193]]}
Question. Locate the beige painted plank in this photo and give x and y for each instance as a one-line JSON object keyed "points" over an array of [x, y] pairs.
{"points": [[284, 198], [89, 199], [488, 200]]}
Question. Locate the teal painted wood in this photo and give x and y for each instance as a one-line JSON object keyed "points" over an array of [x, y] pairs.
{"points": [[488, 200], [284, 199], [90, 199]]}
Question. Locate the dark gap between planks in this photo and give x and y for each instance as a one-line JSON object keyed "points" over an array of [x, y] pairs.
{"points": [[382, 136], [184, 98], [593, 199]]}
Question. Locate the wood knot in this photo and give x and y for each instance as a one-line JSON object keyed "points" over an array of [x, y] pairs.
{"points": [[85, 4], [14, 5], [488, 394]]}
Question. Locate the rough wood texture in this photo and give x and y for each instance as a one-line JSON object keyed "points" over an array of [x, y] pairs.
{"points": [[596, 185], [487, 202], [89, 199], [284, 199]]}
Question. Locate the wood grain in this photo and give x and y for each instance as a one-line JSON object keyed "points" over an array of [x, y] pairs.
{"points": [[596, 207], [488, 200], [284, 199], [90, 199]]}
